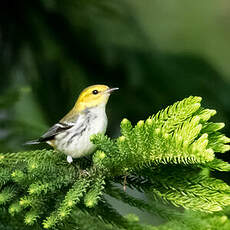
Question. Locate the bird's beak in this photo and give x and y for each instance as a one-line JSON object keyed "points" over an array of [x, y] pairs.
{"points": [[110, 90]]}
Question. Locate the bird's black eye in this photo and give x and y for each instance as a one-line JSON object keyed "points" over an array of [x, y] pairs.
{"points": [[95, 91]]}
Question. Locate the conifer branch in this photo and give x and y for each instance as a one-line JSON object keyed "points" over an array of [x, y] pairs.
{"points": [[167, 156]]}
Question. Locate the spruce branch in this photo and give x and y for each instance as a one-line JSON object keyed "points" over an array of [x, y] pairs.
{"points": [[196, 192], [161, 139], [166, 156], [219, 165], [71, 199], [7, 194]]}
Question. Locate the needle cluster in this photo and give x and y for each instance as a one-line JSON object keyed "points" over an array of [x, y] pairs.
{"points": [[169, 156]]}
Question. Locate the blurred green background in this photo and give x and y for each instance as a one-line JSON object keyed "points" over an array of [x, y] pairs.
{"points": [[156, 52]]}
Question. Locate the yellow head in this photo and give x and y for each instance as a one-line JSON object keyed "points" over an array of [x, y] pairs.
{"points": [[92, 96]]}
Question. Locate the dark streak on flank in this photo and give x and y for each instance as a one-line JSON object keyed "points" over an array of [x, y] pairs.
{"points": [[79, 133], [89, 118]]}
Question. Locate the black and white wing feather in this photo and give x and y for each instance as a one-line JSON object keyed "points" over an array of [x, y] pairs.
{"points": [[51, 133]]}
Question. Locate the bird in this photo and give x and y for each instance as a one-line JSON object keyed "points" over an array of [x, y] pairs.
{"points": [[71, 135]]}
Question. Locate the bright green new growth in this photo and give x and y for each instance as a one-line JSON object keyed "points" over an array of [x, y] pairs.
{"points": [[168, 156], [180, 134]]}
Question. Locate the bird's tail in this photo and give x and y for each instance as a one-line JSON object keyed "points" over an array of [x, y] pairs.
{"points": [[33, 142]]}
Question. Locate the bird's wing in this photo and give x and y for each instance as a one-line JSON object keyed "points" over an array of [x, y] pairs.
{"points": [[54, 130], [58, 128], [51, 133]]}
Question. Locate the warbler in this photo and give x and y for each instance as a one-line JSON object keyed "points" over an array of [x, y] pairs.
{"points": [[71, 134]]}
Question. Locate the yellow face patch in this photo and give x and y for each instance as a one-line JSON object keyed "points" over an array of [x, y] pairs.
{"points": [[92, 96]]}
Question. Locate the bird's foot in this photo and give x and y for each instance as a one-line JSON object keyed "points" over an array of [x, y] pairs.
{"points": [[69, 159]]}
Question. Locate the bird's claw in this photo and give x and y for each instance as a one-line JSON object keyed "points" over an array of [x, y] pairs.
{"points": [[69, 159]]}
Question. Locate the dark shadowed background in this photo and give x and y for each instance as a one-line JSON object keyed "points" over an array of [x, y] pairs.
{"points": [[156, 52]]}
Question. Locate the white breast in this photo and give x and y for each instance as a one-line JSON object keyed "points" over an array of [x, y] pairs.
{"points": [[75, 142]]}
